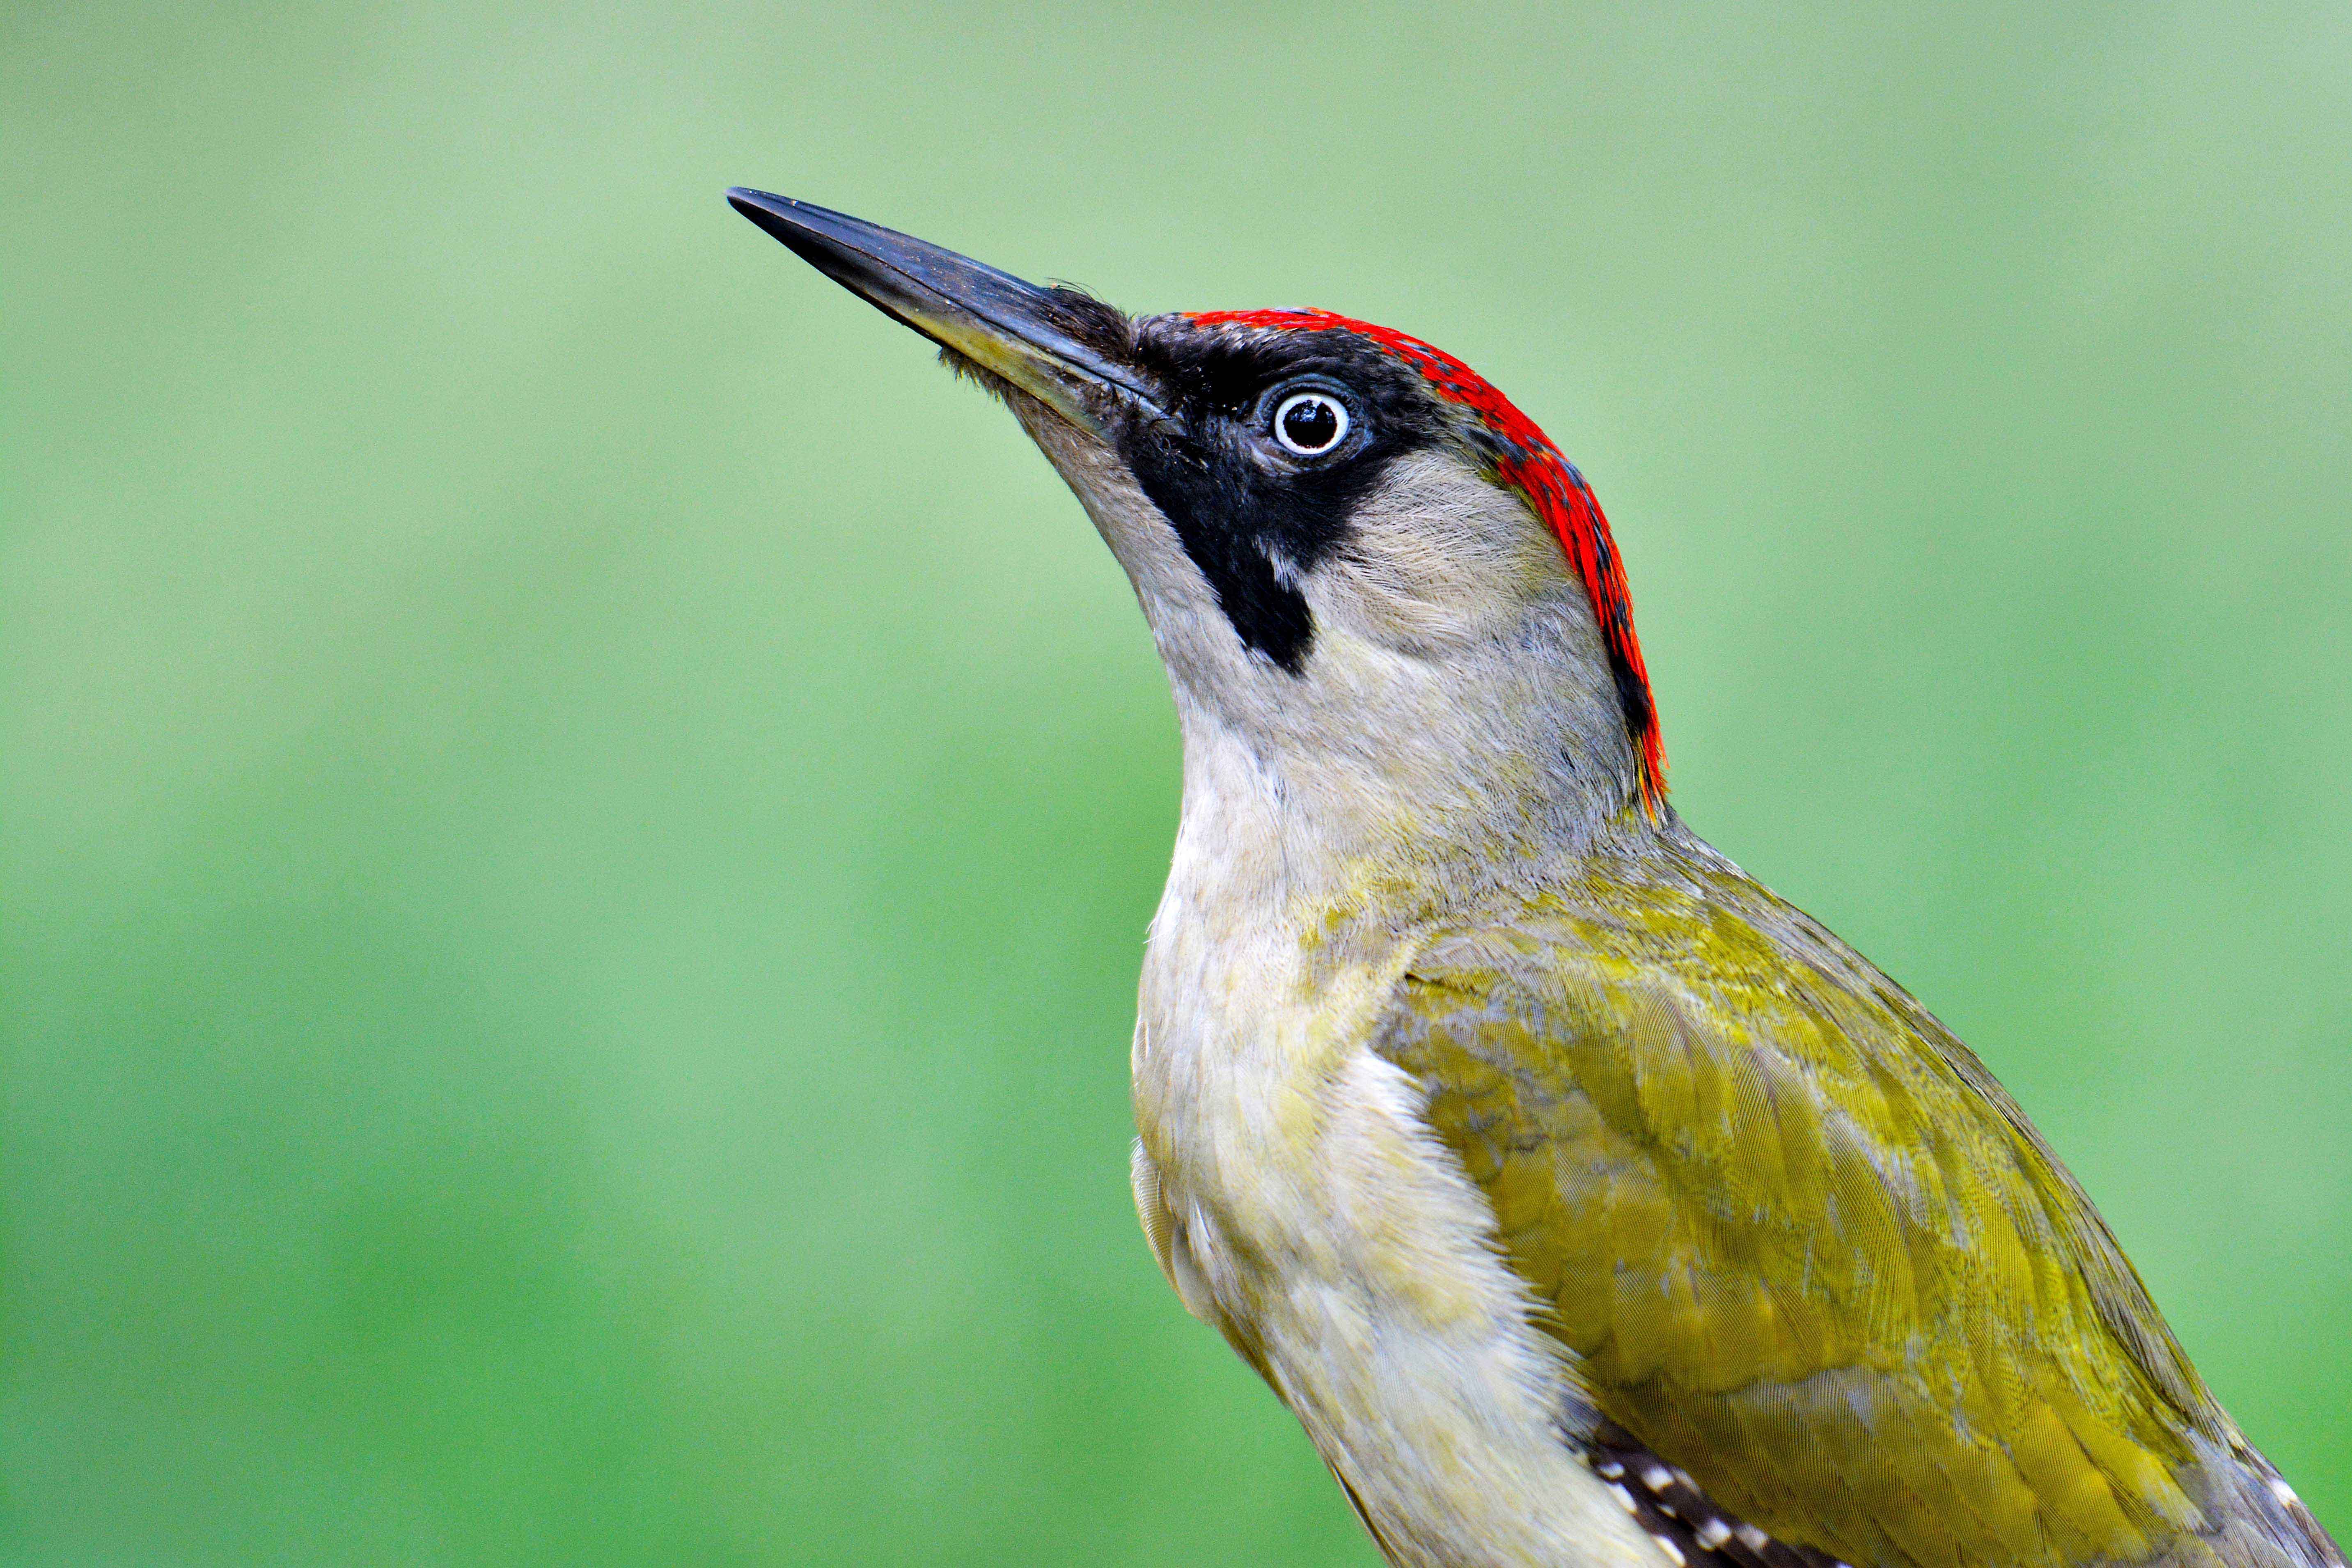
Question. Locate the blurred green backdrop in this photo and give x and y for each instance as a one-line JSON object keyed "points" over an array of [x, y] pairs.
{"points": [[579, 819]]}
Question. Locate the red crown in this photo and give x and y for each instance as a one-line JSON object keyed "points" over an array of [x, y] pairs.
{"points": [[1531, 465]]}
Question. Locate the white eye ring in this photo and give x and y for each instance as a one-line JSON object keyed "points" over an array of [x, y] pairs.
{"points": [[1298, 400]]}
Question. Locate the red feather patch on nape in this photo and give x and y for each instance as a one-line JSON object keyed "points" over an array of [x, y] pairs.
{"points": [[1534, 467]]}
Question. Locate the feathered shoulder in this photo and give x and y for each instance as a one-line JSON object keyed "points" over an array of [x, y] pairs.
{"points": [[1805, 1251]]}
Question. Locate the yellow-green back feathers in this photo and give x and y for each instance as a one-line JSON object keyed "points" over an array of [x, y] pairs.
{"points": [[1801, 1245]]}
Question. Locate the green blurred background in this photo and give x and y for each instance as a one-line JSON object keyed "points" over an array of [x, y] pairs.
{"points": [[579, 819]]}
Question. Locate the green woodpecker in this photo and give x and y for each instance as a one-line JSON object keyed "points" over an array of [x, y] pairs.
{"points": [[1587, 1204]]}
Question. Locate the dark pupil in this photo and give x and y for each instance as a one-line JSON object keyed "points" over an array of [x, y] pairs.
{"points": [[1313, 424]]}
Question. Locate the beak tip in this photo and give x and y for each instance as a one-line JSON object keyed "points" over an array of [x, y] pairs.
{"points": [[754, 204], [793, 224]]}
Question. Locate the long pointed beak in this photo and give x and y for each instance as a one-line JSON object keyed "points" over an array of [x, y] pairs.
{"points": [[991, 318]]}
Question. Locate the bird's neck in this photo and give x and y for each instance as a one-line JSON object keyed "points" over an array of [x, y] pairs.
{"points": [[1378, 789]]}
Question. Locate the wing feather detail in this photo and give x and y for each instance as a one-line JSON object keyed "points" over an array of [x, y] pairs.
{"points": [[1804, 1249]]}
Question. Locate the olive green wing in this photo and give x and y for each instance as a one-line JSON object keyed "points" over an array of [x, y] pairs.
{"points": [[1803, 1248]]}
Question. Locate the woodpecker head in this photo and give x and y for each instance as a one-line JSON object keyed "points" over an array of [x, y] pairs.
{"points": [[1366, 571]]}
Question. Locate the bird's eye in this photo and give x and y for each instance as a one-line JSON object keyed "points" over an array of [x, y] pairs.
{"points": [[1310, 423]]}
